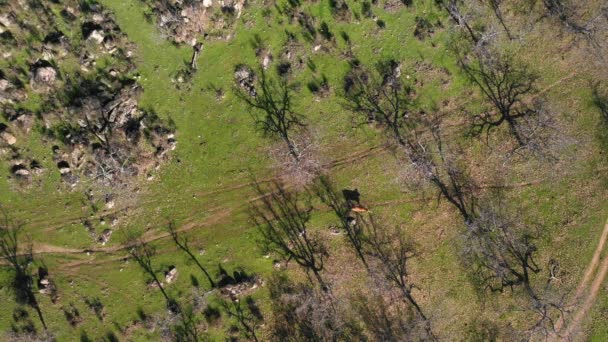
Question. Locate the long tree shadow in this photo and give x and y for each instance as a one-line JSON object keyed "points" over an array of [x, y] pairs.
{"points": [[19, 257], [282, 218], [273, 97], [380, 95], [182, 243], [183, 318]]}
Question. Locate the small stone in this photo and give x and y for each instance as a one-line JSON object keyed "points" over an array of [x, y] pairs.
{"points": [[22, 172], [4, 85], [267, 60], [96, 36], [5, 21], [97, 18], [64, 167], [47, 56], [9, 138], [171, 274], [45, 75], [105, 237]]}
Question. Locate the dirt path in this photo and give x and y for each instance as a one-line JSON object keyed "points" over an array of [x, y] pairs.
{"points": [[581, 314], [595, 261], [596, 267], [220, 213]]}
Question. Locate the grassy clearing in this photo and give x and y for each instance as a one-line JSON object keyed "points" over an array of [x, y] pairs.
{"points": [[219, 149]]}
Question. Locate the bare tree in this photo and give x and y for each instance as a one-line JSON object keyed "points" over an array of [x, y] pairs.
{"points": [[384, 319], [18, 254], [454, 9], [302, 313], [144, 253], [502, 255], [504, 82], [302, 170], [247, 316], [500, 252], [186, 328], [393, 250], [379, 95], [182, 322], [182, 243], [282, 218], [273, 97], [495, 6], [562, 10], [182, 326]]}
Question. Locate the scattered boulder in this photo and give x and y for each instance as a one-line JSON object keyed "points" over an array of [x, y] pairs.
{"points": [[45, 285], [98, 18], [8, 138], [20, 170], [96, 36], [5, 20], [36, 167], [4, 85], [109, 202], [245, 78], [266, 61], [64, 167], [104, 237], [46, 75], [25, 122], [171, 274], [69, 13], [241, 288], [171, 141]]}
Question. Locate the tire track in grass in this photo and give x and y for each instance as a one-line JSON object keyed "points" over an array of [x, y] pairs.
{"points": [[598, 267], [350, 158]]}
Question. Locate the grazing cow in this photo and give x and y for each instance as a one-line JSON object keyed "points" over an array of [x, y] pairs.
{"points": [[352, 197]]}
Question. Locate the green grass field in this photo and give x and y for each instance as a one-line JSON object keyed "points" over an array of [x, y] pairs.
{"points": [[205, 186]]}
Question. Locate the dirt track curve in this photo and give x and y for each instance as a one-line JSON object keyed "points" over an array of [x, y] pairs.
{"points": [[586, 295]]}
